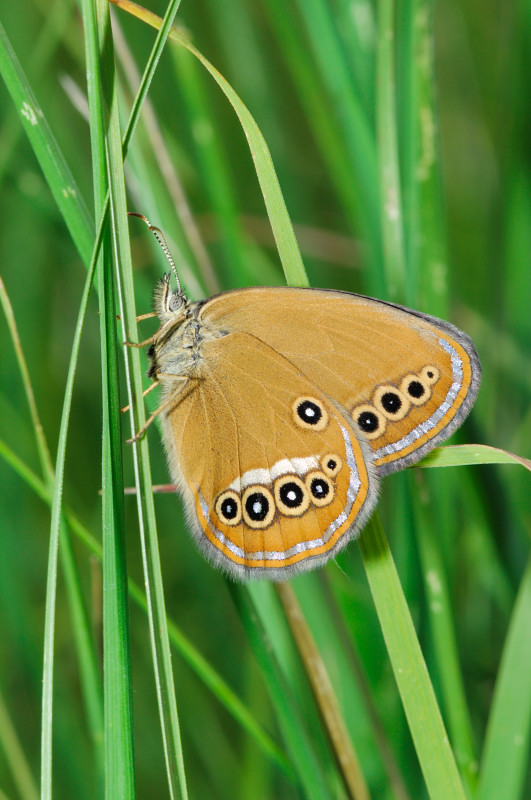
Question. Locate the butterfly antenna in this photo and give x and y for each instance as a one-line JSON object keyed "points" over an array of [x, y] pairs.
{"points": [[159, 236]]}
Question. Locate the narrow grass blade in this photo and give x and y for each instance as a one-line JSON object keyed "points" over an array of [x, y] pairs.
{"points": [[118, 725], [390, 187], [287, 246], [506, 751], [157, 616], [56, 171], [325, 696], [15, 758], [444, 635], [197, 662], [302, 753], [427, 729]]}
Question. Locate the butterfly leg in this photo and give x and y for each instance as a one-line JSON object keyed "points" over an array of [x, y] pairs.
{"points": [[149, 315], [171, 400], [141, 344], [144, 394]]}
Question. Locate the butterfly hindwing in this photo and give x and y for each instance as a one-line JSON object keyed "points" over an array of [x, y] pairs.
{"points": [[274, 477]]}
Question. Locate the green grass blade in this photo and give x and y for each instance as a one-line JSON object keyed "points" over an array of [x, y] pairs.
{"points": [[15, 758], [505, 755], [118, 725], [51, 581], [157, 616], [287, 246], [59, 178], [427, 729], [198, 663], [459, 455], [390, 187], [304, 758], [444, 635], [355, 125]]}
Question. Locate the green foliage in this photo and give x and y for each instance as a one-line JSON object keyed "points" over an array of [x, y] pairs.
{"points": [[361, 108]]}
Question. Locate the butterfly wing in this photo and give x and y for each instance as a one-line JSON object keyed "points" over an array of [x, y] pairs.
{"points": [[274, 478], [405, 379]]}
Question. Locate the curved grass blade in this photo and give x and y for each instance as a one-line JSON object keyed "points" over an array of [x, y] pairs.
{"points": [[459, 455], [288, 248]]}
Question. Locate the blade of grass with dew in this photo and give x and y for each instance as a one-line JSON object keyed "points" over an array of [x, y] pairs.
{"points": [[427, 729], [56, 171], [288, 248], [69, 200], [505, 755], [47, 42]]}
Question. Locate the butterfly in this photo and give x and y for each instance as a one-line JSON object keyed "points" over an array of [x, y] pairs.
{"points": [[282, 408]]}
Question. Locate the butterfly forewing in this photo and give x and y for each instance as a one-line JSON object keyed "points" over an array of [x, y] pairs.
{"points": [[405, 380]]}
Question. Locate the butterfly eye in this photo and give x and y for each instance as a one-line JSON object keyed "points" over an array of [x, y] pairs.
{"points": [[176, 301], [228, 507], [291, 496], [416, 388], [391, 403], [331, 465], [320, 487], [371, 422], [258, 507], [430, 374], [310, 413]]}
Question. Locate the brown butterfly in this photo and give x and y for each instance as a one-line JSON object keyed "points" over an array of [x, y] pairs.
{"points": [[282, 408]]}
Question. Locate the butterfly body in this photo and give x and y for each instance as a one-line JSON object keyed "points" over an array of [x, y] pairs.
{"points": [[281, 409]]}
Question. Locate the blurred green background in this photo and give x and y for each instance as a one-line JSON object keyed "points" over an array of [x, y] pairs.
{"points": [[308, 73]]}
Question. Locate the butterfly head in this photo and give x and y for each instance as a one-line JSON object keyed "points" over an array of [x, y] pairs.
{"points": [[170, 305]]}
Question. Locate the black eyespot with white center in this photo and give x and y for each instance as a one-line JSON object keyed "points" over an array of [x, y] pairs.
{"points": [[320, 487], [258, 507], [310, 413], [369, 420], [291, 495], [228, 507], [391, 402]]}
